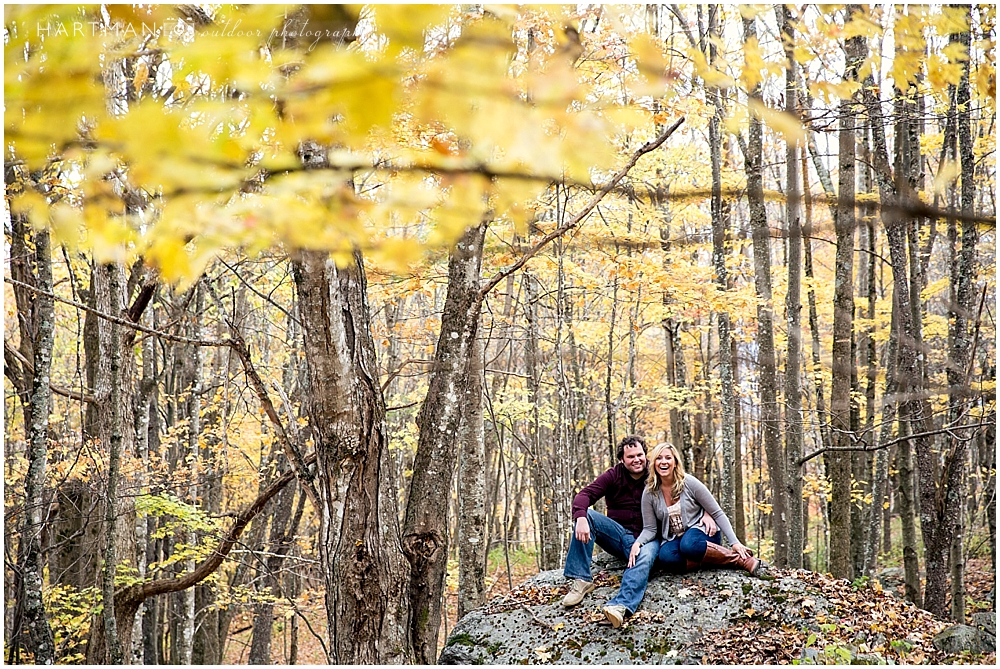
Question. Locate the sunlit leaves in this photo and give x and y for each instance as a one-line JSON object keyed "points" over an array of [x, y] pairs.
{"points": [[339, 95], [950, 20], [784, 123], [406, 25], [711, 76], [427, 93]]}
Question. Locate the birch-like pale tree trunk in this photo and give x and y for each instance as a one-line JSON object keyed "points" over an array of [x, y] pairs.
{"points": [[472, 528], [40, 637]]}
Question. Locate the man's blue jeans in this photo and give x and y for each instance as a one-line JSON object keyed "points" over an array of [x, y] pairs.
{"points": [[673, 555], [618, 541]]}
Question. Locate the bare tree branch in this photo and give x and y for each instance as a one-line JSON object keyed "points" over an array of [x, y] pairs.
{"points": [[917, 435], [583, 213]]}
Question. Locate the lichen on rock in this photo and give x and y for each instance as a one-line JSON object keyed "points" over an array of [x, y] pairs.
{"points": [[709, 616]]}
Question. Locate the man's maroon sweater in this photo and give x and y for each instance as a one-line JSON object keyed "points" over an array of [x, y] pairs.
{"points": [[621, 492]]}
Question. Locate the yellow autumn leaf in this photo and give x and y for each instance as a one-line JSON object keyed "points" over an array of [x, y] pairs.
{"points": [[180, 262], [860, 25], [737, 119], [753, 64], [463, 206], [908, 31], [406, 25], [906, 67], [34, 205], [802, 54], [712, 77], [986, 84], [956, 52], [514, 199], [653, 65], [946, 175], [942, 73], [65, 225], [395, 254], [830, 92], [951, 20], [108, 237], [783, 122]]}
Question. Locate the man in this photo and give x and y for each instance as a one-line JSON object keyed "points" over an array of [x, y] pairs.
{"points": [[621, 487]]}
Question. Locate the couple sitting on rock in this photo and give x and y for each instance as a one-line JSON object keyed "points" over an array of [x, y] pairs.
{"points": [[666, 516]]}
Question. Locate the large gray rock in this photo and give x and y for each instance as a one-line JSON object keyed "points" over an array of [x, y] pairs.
{"points": [[963, 638], [986, 621], [674, 624]]}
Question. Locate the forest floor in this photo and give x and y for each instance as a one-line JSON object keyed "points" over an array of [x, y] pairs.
{"points": [[980, 580]]}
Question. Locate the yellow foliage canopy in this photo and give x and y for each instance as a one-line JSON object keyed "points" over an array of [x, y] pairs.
{"points": [[207, 123]]}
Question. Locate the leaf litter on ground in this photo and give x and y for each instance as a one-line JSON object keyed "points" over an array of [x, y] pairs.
{"points": [[860, 619]]}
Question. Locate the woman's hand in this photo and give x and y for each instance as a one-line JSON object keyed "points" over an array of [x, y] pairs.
{"points": [[633, 554], [742, 550], [709, 524]]}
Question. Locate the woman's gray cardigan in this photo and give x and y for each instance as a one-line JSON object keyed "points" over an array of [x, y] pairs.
{"points": [[695, 499]]}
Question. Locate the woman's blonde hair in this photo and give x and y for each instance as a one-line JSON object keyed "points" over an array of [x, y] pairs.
{"points": [[653, 482]]}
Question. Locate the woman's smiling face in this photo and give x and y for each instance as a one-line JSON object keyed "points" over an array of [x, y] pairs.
{"points": [[665, 463]]}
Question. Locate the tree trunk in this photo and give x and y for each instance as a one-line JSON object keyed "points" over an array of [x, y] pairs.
{"points": [[961, 360], [283, 528], [40, 638], [731, 498], [425, 529], [543, 475], [914, 407], [609, 409], [907, 513], [838, 463], [472, 545], [185, 646], [770, 413], [822, 419], [145, 406], [116, 654], [879, 477], [361, 552], [739, 515], [110, 422], [793, 309]]}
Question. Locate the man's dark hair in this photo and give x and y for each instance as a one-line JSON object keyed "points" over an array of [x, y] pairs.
{"points": [[631, 440]]}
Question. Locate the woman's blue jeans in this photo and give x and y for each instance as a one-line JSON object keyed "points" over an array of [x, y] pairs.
{"points": [[674, 555], [615, 539]]}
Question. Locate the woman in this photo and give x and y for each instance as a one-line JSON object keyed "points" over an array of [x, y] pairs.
{"points": [[678, 505]]}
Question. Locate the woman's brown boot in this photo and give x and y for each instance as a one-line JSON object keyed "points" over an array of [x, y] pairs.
{"points": [[720, 556]]}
